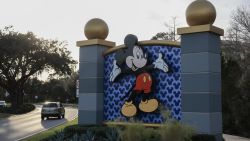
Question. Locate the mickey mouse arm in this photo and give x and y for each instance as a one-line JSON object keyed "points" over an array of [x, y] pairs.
{"points": [[161, 64], [115, 72]]}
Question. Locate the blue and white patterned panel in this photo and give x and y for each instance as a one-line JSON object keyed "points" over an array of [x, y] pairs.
{"points": [[167, 86]]}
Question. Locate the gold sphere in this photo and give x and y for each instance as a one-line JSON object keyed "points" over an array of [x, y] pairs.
{"points": [[96, 29], [200, 12]]}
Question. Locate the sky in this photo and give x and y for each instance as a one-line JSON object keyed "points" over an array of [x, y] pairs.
{"points": [[65, 19]]}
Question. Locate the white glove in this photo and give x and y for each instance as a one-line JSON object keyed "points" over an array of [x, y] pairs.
{"points": [[160, 64], [115, 72]]}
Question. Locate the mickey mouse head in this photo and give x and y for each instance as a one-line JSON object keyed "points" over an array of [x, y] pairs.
{"points": [[132, 55]]}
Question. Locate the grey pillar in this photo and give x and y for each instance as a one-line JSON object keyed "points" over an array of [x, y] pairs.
{"points": [[91, 92], [201, 78]]}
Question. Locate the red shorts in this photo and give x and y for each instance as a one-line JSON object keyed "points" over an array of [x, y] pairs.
{"points": [[143, 83]]}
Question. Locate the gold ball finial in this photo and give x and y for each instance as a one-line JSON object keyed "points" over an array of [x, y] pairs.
{"points": [[200, 12], [96, 29]]}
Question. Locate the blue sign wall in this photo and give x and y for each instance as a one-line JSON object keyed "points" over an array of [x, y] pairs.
{"points": [[166, 88]]}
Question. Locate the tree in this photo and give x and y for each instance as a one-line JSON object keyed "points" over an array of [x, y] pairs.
{"points": [[238, 37], [240, 26], [54, 89], [33, 87], [170, 34], [23, 55], [236, 75], [63, 88], [2, 94], [231, 75], [70, 86]]}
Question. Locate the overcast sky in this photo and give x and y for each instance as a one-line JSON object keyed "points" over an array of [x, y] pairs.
{"points": [[65, 19]]}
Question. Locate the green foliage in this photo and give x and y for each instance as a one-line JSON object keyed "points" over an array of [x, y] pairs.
{"points": [[23, 55], [176, 131], [112, 135], [230, 91], [203, 137], [2, 94], [62, 89], [76, 137], [98, 130], [88, 136], [236, 75], [25, 108], [235, 98], [170, 34], [59, 136], [132, 132]]}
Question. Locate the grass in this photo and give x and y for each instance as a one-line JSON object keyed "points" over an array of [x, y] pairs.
{"points": [[3, 115], [51, 131]]}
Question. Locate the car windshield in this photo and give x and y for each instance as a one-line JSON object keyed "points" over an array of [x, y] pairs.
{"points": [[50, 105]]}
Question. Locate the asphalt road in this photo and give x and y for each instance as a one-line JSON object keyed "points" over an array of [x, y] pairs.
{"points": [[234, 138], [18, 127]]}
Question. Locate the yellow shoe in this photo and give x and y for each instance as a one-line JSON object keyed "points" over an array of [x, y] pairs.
{"points": [[149, 106], [129, 109]]}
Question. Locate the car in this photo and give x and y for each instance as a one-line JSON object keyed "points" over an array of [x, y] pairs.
{"points": [[52, 109], [3, 104]]}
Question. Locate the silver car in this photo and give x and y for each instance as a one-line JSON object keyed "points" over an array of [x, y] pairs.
{"points": [[52, 109], [3, 104]]}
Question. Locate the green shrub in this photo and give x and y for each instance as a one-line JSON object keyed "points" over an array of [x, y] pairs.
{"points": [[112, 135], [76, 137], [100, 131], [139, 132], [176, 131], [25, 108], [203, 137], [88, 136], [59, 136], [132, 132], [170, 131]]}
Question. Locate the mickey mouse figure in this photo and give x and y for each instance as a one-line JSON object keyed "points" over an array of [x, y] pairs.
{"points": [[136, 61]]}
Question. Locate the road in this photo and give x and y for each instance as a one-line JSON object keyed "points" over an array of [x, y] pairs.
{"points": [[234, 138], [18, 127]]}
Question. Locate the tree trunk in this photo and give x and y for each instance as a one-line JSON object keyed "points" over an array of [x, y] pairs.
{"points": [[16, 98]]}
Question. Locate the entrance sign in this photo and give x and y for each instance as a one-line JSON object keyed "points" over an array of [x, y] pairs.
{"points": [[137, 79], [158, 80]]}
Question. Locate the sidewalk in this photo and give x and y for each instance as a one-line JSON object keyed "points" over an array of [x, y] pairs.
{"points": [[234, 138]]}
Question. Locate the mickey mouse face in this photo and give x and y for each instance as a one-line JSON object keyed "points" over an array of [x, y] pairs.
{"points": [[132, 55], [137, 60]]}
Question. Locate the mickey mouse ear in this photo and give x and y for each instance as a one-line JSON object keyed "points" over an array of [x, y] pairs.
{"points": [[130, 40], [120, 56]]}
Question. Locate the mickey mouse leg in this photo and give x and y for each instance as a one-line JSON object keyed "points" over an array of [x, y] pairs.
{"points": [[148, 105], [128, 108]]}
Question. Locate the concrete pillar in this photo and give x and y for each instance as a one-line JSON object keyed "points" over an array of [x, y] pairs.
{"points": [[91, 73], [201, 78], [201, 69]]}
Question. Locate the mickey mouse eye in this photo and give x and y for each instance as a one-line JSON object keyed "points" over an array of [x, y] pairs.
{"points": [[138, 55]]}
